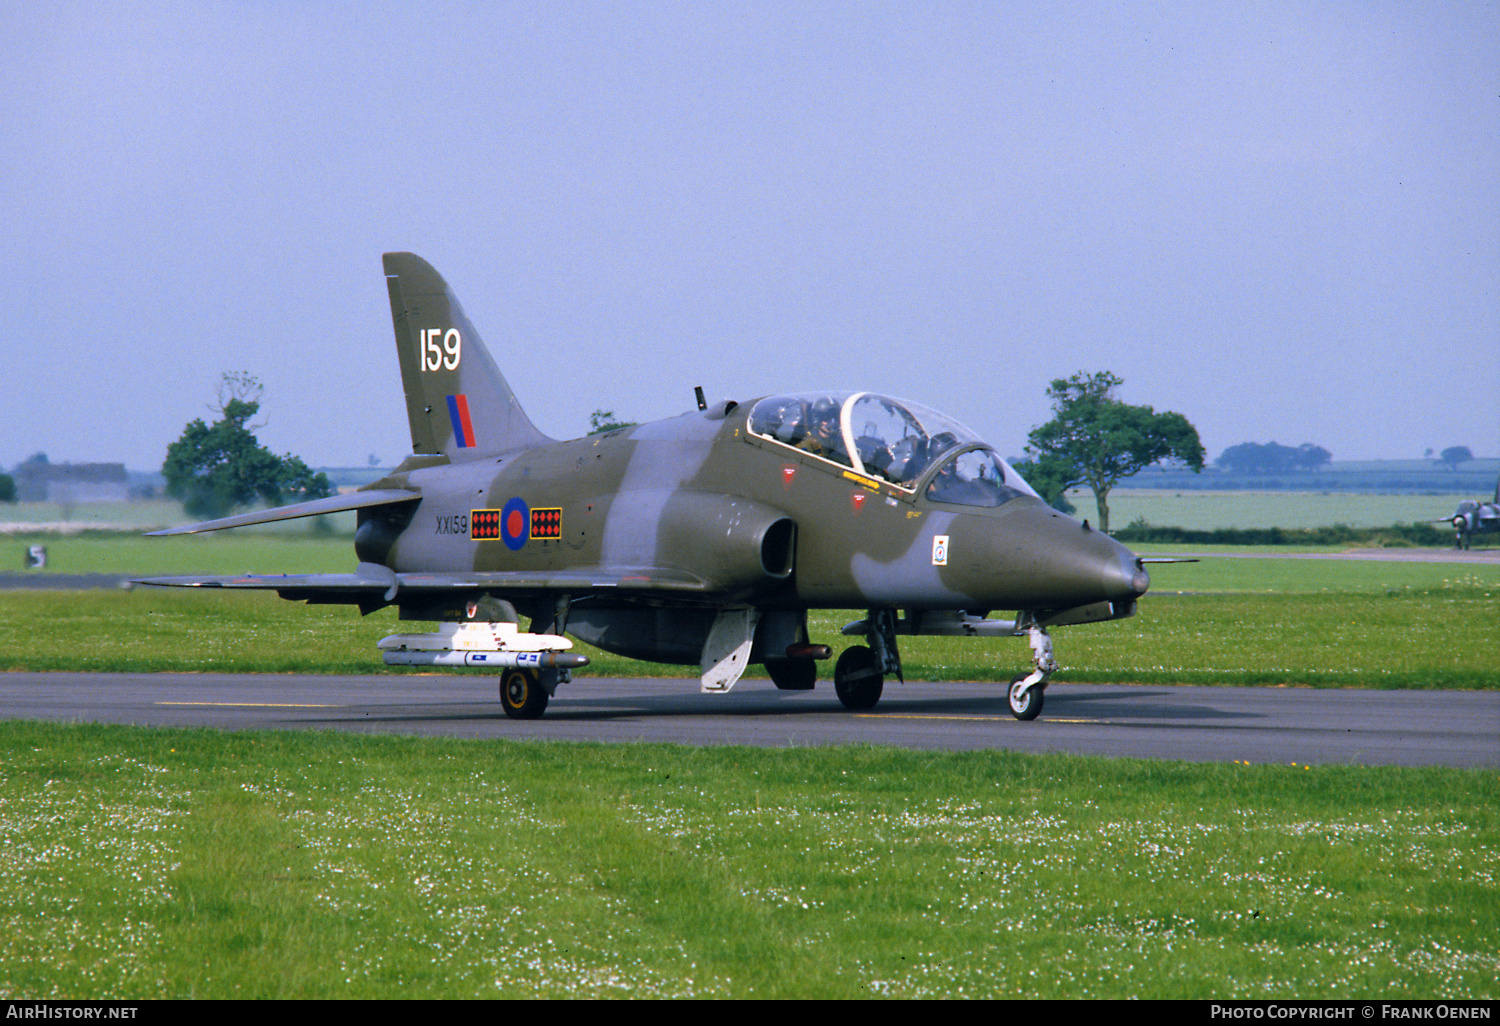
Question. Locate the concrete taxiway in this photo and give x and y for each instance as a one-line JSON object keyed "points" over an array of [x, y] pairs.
{"points": [[1260, 724]]}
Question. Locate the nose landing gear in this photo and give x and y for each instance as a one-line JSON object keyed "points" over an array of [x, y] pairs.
{"points": [[1027, 693]]}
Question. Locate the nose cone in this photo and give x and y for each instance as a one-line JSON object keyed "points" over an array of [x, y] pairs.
{"points": [[1140, 581], [1121, 574], [1047, 560]]}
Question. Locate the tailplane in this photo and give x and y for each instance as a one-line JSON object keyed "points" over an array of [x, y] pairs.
{"points": [[457, 401]]}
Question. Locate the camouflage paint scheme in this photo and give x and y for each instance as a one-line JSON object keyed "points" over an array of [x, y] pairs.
{"points": [[683, 539]]}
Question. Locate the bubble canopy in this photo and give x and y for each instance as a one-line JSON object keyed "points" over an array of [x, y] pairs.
{"points": [[893, 440]]}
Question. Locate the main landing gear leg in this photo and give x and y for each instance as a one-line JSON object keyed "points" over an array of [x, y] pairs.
{"points": [[1026, 693], [859, 675]]}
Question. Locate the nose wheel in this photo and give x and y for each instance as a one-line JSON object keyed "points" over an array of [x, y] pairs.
{"points": [[1026, 694], [1026, 700]]}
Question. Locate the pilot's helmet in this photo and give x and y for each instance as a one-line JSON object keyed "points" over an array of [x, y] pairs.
{"points": [[942, 442], [825, 416]]}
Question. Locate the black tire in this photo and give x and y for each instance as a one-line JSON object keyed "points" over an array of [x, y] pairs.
{"points": [[521, 695], [1027, 704], [793, 674], [857, 679]]}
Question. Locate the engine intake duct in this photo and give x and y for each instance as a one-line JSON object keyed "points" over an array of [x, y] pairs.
{"points": [[734, 543]]}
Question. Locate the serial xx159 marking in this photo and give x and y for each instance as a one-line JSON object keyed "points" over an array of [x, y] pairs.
{"points": [[704, 538]]}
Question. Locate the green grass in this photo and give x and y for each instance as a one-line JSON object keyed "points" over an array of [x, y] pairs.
{"points": [[1206, 511], [1444, 636], [139, 864], [224, 552], [1258, 573]]}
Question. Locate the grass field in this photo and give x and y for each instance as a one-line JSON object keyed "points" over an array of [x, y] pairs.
{"points": [[224, 552], [142, 863], [1226, 620], [1205, 511], [1371, 625]]}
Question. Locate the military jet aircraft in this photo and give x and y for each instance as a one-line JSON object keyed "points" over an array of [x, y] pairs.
{"points": [[701, 539], [1473, 518]]}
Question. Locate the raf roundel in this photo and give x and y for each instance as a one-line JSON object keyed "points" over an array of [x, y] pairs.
{"points": [[515, 524]]}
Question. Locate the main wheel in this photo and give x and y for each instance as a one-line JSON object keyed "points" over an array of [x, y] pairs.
{"points": [[1025, 703], [793, 674], [857, 679], [522, 696]]}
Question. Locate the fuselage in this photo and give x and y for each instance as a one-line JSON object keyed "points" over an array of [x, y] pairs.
{"points": [[759, 522]]}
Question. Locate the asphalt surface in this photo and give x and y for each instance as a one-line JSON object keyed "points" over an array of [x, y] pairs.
{"points": [[1201, 724]]}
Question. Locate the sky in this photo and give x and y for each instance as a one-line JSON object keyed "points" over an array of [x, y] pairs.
{"points": [[1281, 220]]}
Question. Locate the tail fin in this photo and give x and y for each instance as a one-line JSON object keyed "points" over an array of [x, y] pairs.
{"points": [[456, 398]]}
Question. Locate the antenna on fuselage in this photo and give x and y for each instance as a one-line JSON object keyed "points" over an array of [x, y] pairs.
{"points": [[698, 391]]}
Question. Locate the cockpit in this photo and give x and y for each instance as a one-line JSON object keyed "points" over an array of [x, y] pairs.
{"points": [[891, 440]]}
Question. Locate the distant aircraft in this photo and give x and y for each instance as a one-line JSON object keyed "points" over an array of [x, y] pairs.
{"points": [[701, 539], [1473, 518]]}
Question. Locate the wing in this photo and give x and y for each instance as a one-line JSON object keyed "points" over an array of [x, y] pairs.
{"points": [[312, 508], [372, 585]]}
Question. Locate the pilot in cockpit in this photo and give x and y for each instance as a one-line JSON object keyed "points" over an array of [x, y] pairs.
{"points": [[824, 437]]}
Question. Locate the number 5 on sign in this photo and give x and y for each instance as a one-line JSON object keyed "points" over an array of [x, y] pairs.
{"points": [[444, 355]]}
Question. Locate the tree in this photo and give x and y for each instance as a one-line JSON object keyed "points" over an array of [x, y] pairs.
{"points": [[1454, 455], [7, 488], [214, 468], [1311, 457], [1096, 439], [241, 385], [1051, 477], [1272, 458], [604, 420]]}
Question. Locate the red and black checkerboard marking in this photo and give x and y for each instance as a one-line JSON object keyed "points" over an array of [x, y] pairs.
{"points": [[484, 524], [546, 523]]}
